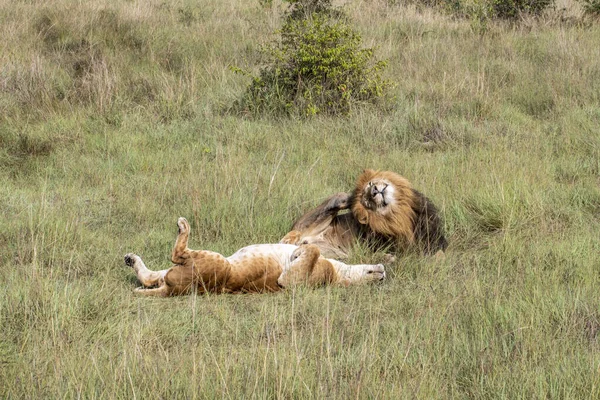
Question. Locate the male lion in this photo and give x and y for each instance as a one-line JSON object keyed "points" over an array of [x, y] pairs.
{"points": [[385, 213], [253, 269]]}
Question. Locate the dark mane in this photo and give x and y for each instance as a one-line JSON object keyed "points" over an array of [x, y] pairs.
{"points": [[429, 233]]}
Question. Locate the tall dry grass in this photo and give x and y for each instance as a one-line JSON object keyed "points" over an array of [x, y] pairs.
{"points": [[111, 127]]}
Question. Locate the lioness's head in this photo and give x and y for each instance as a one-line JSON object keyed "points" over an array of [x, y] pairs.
{"points": [[358, 274]]}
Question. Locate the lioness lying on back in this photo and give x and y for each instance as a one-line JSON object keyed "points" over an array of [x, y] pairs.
{"points": [[252, 269]]}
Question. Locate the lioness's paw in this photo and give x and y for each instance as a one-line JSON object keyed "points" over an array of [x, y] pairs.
{"points": [[307, 251], [130, 259], [183, 225]]}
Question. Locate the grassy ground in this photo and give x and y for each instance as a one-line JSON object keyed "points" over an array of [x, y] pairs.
{"points": [[112, 126]]}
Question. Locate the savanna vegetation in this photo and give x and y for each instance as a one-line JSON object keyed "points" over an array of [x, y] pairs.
{"points": [[117, 117]]}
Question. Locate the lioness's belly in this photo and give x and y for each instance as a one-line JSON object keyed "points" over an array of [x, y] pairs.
{"points": [[280, 253]]}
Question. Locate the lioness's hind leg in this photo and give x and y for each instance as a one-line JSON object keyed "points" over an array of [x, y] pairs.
{"points": [[146, 277], [180, 250]]}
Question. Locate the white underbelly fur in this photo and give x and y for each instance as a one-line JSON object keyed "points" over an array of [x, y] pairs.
{"points": [[282, 253]]}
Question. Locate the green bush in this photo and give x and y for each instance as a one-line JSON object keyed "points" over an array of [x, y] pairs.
{"points": [[502, 9], [304, 9], [512, 9], [317, 66], [591, 7]]}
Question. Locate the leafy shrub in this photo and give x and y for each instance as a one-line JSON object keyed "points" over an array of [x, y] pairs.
{"points": [[591, 7], [484, 9], [317, 66], [512, 9], [304, 9]]}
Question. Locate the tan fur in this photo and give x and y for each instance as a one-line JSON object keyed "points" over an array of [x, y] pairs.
{"points": [[253, 269], [383, 214], [312, 270]]}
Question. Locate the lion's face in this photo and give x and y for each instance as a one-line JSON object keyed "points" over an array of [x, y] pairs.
{"points": [[378, 194], [384, 201]]}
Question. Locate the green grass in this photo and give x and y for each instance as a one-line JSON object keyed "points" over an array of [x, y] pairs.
{"points": [[112, 125]]}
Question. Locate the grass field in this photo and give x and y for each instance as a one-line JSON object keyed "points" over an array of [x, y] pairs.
{"points": [[113, 124]]}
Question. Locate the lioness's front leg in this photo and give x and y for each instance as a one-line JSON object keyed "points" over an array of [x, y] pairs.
{"points": [[304, 259]]}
